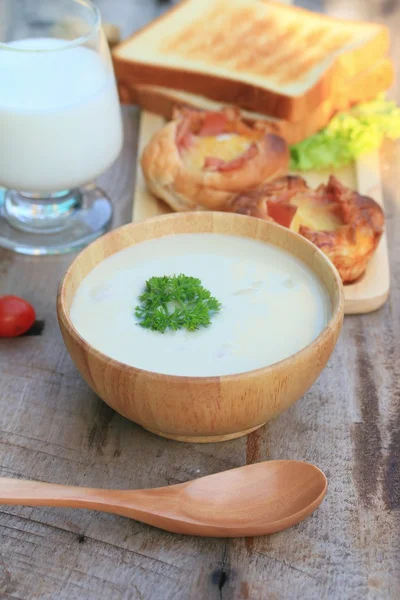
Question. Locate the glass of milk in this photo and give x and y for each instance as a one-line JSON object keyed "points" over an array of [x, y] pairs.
{"points": [[60, 125]]}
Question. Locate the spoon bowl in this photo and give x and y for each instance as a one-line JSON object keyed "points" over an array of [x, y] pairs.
{"points": [[253, 500]]}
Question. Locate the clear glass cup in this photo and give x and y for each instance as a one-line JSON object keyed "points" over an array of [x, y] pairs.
{"points": [[60, 125]]}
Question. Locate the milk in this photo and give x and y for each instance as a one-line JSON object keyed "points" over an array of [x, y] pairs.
{"points": [[60, 123], [272, 305]]}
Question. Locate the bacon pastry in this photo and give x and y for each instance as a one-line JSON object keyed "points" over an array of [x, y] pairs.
{"points": [[346, 226], [202, 160]]}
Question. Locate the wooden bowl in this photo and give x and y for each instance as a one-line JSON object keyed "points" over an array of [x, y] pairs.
{"points": [[201, 409]]}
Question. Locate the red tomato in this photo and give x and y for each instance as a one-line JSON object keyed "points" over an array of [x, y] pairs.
{"points": [[16, 316]]}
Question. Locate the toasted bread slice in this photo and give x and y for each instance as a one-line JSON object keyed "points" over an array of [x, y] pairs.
{"points": [[365, 86], [262, 55]]}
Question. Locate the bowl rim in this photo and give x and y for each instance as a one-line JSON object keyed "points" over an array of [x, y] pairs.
{"points": [[331, 326]]}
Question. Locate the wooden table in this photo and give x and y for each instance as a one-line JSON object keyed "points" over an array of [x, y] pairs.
{"points": [[53, 428]]}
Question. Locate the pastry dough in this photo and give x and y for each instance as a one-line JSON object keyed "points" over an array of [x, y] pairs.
{"points": [[346, 226], [202, 160]]}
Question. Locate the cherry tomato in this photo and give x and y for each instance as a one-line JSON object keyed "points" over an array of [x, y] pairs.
{"points": [[16, 316]]}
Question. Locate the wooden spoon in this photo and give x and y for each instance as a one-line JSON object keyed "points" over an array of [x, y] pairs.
{"points": [[254, 500]]}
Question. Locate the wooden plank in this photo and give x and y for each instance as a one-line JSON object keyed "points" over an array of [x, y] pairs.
{"points": [[145, 205], [366, 295], [53, 428], [374, 287]]}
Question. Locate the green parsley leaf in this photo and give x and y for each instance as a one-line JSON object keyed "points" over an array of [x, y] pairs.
{"points": [[175, 302]]}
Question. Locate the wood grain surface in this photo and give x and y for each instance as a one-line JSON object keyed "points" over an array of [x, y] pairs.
{"points": [[52, 428]]}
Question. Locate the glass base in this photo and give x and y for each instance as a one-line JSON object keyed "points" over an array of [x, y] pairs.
{"points": [[81, 216]]}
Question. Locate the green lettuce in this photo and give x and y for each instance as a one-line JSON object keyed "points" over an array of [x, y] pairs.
{"points": [[348, 135]]}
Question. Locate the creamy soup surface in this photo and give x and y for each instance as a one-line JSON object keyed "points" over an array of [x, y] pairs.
{"points": [[272, 305]]}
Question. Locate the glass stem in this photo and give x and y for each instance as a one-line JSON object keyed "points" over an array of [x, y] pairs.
{"points": [[45, 214]]}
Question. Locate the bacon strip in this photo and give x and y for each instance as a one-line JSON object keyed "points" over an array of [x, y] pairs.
{"points": [[214, 124], [238, 162], [184, 136], [282, 213], [212, 163]]}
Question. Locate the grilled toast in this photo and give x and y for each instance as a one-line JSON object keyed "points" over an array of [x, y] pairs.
{"points": [[262, 55], [365, 86]]}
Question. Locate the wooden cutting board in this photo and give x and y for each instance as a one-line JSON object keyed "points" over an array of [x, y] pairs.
{"points": [[367, 294]]}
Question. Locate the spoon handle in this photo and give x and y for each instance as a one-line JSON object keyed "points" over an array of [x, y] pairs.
{"points": [[35, 493], [154, 506], [151, 506]]}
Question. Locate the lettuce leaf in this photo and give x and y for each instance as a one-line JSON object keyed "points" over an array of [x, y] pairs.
{"points": [[347, 136]]}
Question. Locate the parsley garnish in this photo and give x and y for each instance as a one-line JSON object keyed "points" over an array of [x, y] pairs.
{"points": [[175, 302]]}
